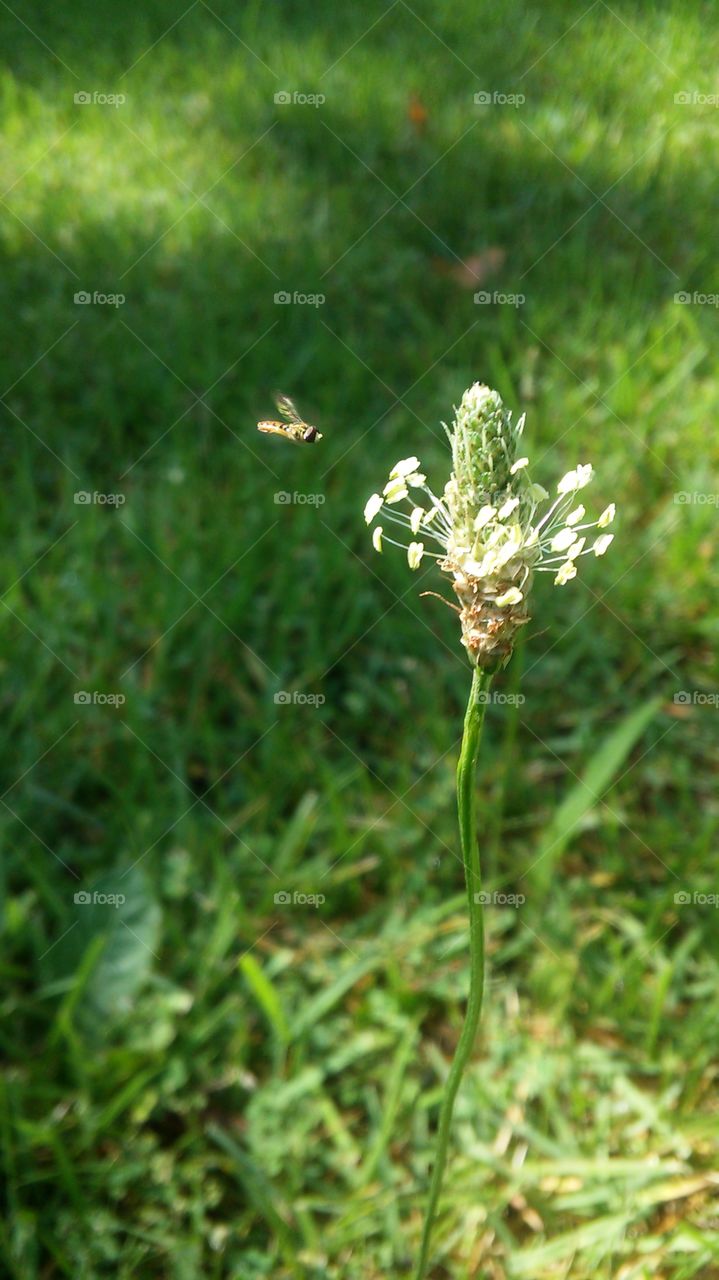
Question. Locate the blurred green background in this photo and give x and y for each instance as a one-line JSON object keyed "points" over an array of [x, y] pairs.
{"points": [[203, 1080]]}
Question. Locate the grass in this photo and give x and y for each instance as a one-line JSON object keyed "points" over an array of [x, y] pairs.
{"points": [[203, 1081]]}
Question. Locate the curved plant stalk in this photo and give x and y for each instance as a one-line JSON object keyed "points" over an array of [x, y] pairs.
{"points": [[467, 812], [490, 531]]}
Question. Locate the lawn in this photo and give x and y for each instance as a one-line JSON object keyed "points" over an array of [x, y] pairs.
{"points": [[235, 1071]]}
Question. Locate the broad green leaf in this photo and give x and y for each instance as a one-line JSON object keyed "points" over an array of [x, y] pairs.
{"points": [[109, 948]]}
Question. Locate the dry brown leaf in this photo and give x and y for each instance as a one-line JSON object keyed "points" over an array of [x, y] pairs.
{"points": [[417, 114], [471, 272]]}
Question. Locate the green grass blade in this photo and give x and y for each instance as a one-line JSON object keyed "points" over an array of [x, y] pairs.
{"points": [[266, 996], [590, 787]]}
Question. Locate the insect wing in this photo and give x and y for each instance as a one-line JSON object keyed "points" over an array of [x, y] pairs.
{"points": [[287, 409]]}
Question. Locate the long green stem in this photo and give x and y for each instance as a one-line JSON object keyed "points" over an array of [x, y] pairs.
{"points": [[467, 811]]}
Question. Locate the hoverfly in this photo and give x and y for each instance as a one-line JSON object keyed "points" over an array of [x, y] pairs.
{"points": [[294, 427]]}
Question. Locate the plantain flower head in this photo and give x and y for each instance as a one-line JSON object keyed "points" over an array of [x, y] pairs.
{"points": [[492, 528]]}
